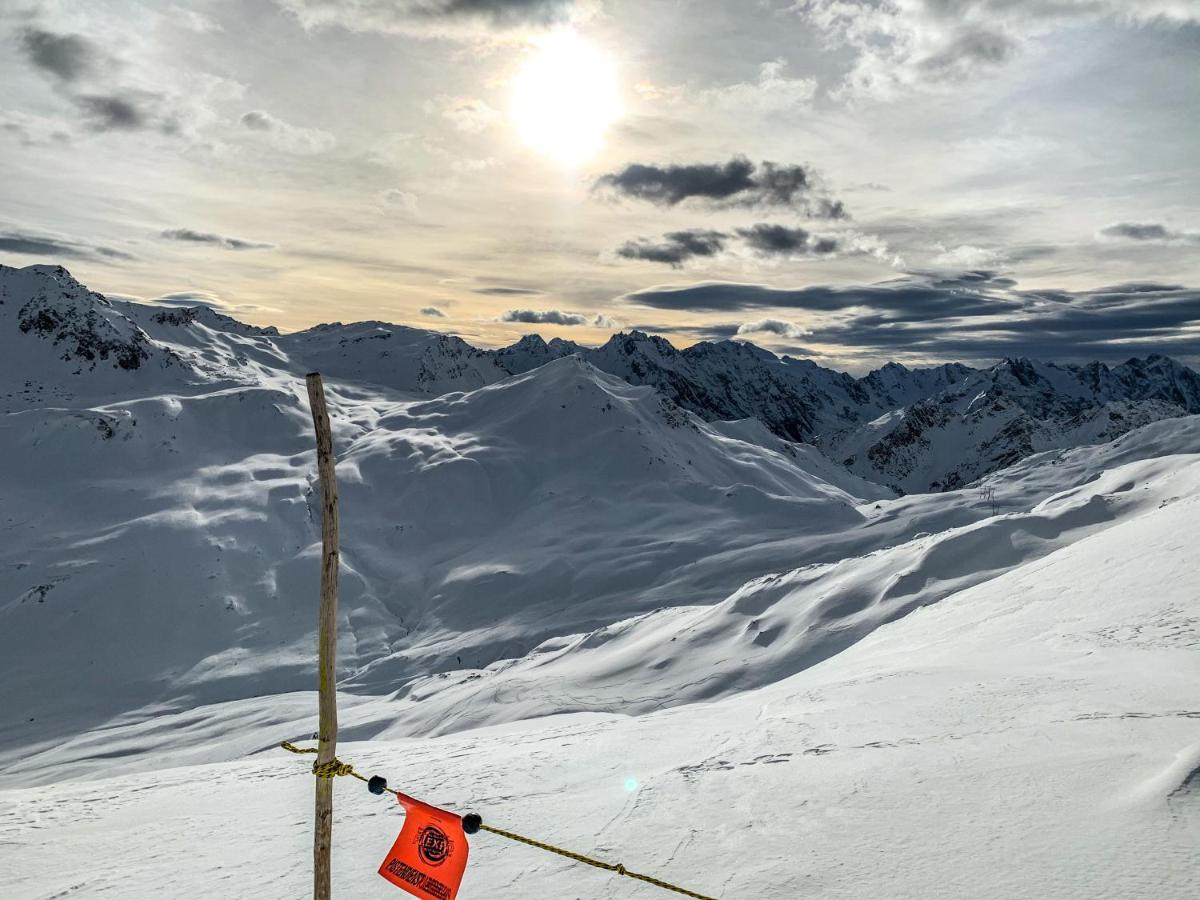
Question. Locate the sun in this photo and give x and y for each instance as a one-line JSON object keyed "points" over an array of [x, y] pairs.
{"points": [[565, 97]]}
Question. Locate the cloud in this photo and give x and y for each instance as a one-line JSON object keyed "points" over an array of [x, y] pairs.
{"points": [[555, 317], [763, 239], [773, 326], [967, 256], [912, 295], [287, 137], [438, 18], [738, 182], [191, 298], [257, 120], [68, 57], [772, 92], [965, 51], [974, 315], [1149, 232], [187, 235], [918, 44], [98, 85], [114, 112], [768, 239], [32, 130], [194, 21], [676, 247], [507, 291], [467, 114], [25, 243], [432, 312], [396, 200]]}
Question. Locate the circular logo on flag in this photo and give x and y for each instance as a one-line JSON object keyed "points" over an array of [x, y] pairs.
{"points": [[433, 845]]}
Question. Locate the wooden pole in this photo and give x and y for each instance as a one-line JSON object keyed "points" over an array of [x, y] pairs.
{"points": [[326, 636]]}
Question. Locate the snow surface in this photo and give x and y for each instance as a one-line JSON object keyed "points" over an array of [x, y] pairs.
{"points": [[576, 607]]}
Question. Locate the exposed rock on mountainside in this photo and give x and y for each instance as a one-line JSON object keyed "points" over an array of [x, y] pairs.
{"points": [[995, 417], [81, 325]]}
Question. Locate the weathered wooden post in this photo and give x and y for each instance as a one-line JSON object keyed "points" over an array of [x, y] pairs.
{"points": [[326, 637]]}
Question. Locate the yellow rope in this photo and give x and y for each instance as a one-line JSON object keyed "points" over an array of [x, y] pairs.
{"points": [[330, 769], [336, 767], [599, 864]]}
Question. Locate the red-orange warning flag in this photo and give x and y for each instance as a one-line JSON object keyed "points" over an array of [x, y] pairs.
{"points": [[430, 855]]}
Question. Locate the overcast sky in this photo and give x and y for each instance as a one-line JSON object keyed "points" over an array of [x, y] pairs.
{"points": [[851, 180]]}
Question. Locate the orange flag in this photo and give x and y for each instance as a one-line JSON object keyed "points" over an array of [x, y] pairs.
{"points": [[430, 855]]}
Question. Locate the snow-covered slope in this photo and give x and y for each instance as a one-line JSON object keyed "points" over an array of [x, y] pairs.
{"points": [[171, 566], [1031, 735], [596, 594]]}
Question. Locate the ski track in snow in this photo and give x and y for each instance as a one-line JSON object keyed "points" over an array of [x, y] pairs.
{"points": [[575, 607]]}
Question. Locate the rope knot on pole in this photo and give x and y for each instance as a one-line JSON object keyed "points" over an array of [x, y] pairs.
{"points": [[332, 769]]}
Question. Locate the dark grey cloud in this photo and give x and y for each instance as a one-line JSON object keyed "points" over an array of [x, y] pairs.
{"points": [[963, 294], [82, 73], [34, 246], [769, 239], [1153, 232], [114, 112], [507, 291], [967, 51], [676, 247], [434, 17], [977, 316], [432, 312], [738, 182], [68, 57], [504, 12], [543, 317], [765, 239], [28, 244], [257, 120], [667, 186], [188, 235], [555, 317]]}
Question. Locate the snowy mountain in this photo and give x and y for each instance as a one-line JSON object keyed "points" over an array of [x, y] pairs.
{"points": [[911, 430], [600, 595], [185, 510], [993, 418]]}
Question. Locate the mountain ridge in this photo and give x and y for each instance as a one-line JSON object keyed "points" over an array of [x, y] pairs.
{"points": [[911, 429]]}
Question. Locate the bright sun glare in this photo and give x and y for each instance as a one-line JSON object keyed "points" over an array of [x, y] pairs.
{"points": [[564, 98]]}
